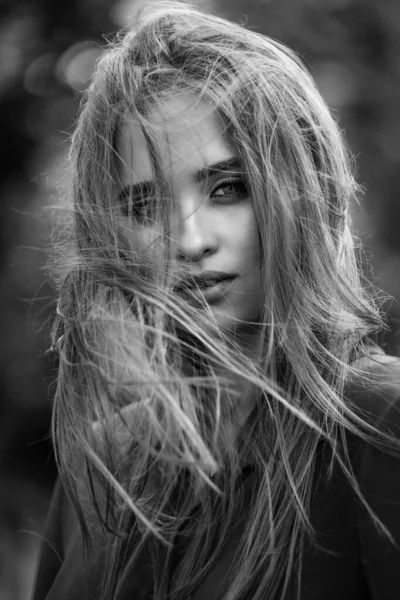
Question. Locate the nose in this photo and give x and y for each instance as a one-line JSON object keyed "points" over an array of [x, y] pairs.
{"points": [[196, 235]]}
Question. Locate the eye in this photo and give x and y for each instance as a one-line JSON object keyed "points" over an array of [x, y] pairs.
{"points": [[230, 189], [138, 207]]}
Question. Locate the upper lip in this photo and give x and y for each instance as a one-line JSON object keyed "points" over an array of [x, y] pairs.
{"points": [[203, 279]]}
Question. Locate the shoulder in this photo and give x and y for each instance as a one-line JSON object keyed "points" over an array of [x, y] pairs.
{"points": [[376, 393], [57, 536], [366, 556], [378, 475], [377, 399], [62, 572], [61, 523]]}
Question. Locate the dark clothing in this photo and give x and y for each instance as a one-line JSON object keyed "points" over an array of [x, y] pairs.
{"points": [[361, 564]]}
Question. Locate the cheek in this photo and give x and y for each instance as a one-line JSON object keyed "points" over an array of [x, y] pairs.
{"points": [[149, 249], [148, 237], [243, 235]]}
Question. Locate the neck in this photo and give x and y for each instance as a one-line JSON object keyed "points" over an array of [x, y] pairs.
{"points": [[245, 391]]}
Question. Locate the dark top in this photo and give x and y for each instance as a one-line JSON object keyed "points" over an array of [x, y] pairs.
{"points": [[361, 564]]}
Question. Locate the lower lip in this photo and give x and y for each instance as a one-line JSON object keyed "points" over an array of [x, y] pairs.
{"points": [[214, 293]]}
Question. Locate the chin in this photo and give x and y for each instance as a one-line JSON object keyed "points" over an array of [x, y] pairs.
{"points": [[227, 318]]}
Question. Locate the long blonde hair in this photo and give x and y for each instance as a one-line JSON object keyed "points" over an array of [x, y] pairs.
{"points": [[142, 415]]}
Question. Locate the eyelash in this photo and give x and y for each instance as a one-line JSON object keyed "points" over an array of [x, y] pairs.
{"points": [[138, 207], [237, 183]]}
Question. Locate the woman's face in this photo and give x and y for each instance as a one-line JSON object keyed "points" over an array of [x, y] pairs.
{"points": [[214, 227]]}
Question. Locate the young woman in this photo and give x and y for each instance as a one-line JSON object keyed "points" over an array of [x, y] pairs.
{"points": [[224, 426]]}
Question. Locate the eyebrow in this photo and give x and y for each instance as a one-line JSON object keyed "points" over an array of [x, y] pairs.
{"points": [[233, 165]]}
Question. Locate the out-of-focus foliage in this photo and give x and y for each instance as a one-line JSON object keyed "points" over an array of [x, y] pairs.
{"points": [[47, 53]]}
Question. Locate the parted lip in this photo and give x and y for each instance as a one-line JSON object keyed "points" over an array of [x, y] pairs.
{"points": [[202, 280]]}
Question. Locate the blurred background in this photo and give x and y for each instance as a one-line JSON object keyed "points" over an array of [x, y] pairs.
{"points": [[47, 53]]}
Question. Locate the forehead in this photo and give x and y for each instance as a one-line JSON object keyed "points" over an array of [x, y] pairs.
{"points": [[188, 134]]}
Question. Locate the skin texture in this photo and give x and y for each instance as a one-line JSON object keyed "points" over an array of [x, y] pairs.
{"points": [[214, 229]]}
